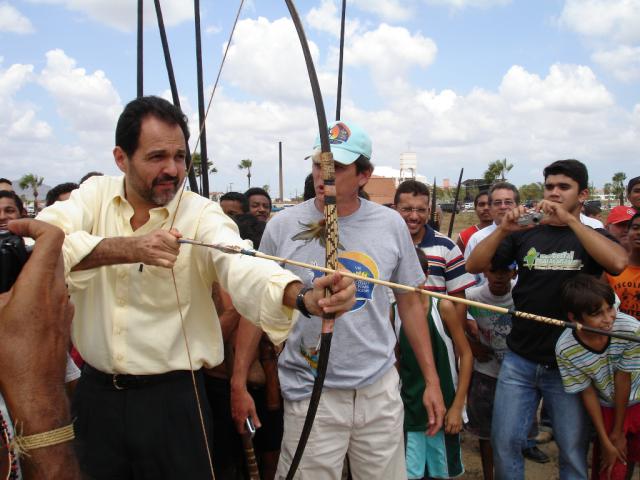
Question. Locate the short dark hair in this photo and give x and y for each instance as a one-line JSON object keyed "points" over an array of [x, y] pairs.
{"points": [[637, 215], [13, 196], [363, 164], [477, 198], [6, 180], [309, 188], [250, 228], [505, 186], [55, 192], [584, 294], [130, 121], [590, 208], [87, 176], [237, 197], [411, 186], [630, 185], [257, 191], [574, 169]]}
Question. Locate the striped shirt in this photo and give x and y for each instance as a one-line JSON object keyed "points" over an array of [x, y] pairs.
{"points": [[447, 272], [581, 366]]}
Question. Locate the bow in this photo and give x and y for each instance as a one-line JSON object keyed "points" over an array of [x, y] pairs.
{"points": [[331, 252]]}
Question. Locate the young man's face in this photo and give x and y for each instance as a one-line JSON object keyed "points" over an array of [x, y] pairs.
{"points": [[565, 190], [348, 181], [8, 211], [260, 207], [634, 196], [620, 231], [502, 201], [231, 207], [483, 211], [414, 209], [500, 280], [157, 168], [602, 318], [633, 236]]}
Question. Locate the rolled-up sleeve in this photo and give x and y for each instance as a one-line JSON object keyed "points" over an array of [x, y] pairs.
{"points": [[256, 285]]}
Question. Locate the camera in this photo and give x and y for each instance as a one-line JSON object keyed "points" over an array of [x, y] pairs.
{"points": [[13, 255], [531, 218]]}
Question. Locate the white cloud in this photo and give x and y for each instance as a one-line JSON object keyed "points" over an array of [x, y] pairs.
{"points": [[122, 14], [462, 4], [89, 102], [327, 17], [213, 29], [265, 58], [11, 20], [387, 10], [615, 19], [623, 62], [389, 52]]}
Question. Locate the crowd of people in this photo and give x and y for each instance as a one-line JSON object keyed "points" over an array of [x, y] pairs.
{"points": [[167, 353]]}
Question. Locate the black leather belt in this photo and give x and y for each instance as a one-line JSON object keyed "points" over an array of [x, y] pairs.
{"points": [[120, 381]]}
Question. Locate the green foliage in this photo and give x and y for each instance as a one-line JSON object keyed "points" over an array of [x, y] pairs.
{"points": [[246, 164], [197, 161], [34, 182], [531, 191], [497, 170], [618, 186]]}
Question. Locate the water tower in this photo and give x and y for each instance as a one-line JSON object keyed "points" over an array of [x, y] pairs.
{"points": [[408, 165]]}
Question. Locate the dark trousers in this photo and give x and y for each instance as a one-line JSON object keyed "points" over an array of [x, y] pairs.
{"points": [[150, 431]]}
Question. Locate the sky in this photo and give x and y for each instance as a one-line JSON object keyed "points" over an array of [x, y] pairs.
{"points": [[459, 82]]}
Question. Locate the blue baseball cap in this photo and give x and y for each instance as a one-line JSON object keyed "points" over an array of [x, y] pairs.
{"points": [[348, 141]]}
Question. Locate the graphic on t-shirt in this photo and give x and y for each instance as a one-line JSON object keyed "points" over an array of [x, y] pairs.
{"points": [[362, 265], [314, 231], [551, 261]]}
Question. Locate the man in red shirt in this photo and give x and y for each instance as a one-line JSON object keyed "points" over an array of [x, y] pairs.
{"points": [[481, 206]]}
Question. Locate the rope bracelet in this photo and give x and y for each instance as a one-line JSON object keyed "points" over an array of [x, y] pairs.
{"points": [[23, 444]]}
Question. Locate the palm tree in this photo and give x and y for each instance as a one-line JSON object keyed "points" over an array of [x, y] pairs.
{"points": [[496, 170], [32, 181], [195, 158], [618, 186], [246, 164]]}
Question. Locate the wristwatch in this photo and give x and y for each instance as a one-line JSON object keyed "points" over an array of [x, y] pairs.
{"points": [[302, 308]]}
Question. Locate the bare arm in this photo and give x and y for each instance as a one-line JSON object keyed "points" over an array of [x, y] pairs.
{"points": [[242, 404], [480, 258], [622, 389], [415, 327], [159, 248], [227, 314], [34, 335], [611, 255], [460, 308], [453, 419]]}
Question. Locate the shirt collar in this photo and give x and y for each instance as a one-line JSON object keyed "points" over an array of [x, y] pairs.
{"points": [[429, 235], [165, 211]]}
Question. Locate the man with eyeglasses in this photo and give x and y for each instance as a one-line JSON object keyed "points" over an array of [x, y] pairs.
{"points": [[547, 254], [503, 197], [447, 272]]}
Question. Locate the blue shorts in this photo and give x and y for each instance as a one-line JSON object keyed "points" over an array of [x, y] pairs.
{"points": [[439, 456]]}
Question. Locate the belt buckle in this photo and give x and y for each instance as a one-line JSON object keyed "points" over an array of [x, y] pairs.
{"points": [[114, 380]]}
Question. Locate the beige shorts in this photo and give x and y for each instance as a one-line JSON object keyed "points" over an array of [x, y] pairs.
{"points": [[366, 424]]}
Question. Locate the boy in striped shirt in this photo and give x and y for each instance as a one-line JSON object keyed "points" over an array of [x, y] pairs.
{"points": [[605, 371]]}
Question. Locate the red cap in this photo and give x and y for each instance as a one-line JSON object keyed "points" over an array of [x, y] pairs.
{"points": [[620, 214]]}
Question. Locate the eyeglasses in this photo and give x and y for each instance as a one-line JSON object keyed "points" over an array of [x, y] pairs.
{"points": [[506, 203], [407, 210]]}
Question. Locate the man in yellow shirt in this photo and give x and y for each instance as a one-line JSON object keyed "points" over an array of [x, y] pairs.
{"points": [[140, 299]]}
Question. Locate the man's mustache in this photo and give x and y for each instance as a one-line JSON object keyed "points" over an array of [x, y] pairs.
{"points": [[164, 179]]}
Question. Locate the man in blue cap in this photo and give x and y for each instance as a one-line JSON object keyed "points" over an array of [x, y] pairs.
{"points": [[360, 411]]}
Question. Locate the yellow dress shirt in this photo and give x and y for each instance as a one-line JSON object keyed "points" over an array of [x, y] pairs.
{"points": [[126, 317]]}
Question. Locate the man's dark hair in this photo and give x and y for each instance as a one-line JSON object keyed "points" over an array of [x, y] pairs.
{"points": [[237, 197], [637, 215], [309, 188], [130, 121], [590, 209], [630, 185], [505, 186], [89, 175], [363, 164], [257, 191], [250, 228], [584, 294], [55, 192], [411, 186], [477, 198], [574, 169], [6, 180], [13, 196]]}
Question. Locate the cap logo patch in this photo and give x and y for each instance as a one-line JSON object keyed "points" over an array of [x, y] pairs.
{"points": [[339, 133]]}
